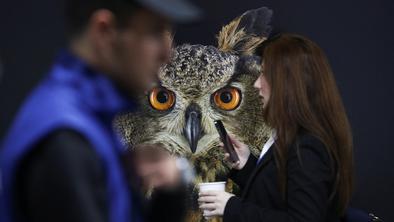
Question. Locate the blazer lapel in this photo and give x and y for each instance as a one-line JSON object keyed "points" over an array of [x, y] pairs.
{"points": [[266, 159]]}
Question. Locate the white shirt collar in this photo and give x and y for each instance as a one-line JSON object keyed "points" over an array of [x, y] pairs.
{"points": [[268, 144]]}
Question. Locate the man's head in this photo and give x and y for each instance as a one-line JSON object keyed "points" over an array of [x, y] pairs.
{"points": [[126, 40]]}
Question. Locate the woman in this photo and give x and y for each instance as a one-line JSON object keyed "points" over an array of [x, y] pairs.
{"points": [[304, 172]]}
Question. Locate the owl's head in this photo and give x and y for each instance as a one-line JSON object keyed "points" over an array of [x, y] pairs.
{"points": [[202, 84]]}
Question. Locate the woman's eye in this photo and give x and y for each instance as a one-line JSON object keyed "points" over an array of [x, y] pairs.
{"points": [[227, 98], [161, 98]]}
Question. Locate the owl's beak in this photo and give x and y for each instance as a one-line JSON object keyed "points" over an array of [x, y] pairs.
{"points": [[192, 130]]}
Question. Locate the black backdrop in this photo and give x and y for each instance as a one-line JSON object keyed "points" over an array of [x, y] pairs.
{"points": [[356, 35]]}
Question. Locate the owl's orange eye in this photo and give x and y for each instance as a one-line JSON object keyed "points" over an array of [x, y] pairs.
{"points": [[227, 98], [161, 99]]}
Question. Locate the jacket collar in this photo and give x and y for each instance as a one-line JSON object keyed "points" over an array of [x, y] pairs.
{"points": [[266, 159]]}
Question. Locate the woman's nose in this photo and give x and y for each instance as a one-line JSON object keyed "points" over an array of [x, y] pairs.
{"points": [[257, 83]]}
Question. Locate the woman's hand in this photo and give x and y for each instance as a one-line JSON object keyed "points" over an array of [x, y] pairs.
{"points": [[242, 151], [213, 202]]}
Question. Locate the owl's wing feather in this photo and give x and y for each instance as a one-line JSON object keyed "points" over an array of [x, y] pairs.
{"points": [[245, 33]]}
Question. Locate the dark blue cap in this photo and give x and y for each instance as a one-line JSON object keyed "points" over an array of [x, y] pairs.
{"points": [[180, 11]]}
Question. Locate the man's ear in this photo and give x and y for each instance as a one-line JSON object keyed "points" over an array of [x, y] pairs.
{"points": [[102, 25], [169, 45], [244, 34]]}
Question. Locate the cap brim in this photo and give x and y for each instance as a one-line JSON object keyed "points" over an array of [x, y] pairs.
{"points": [[179, 11]]}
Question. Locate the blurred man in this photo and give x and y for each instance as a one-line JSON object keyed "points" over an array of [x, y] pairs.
{"points": [[61, 158]]}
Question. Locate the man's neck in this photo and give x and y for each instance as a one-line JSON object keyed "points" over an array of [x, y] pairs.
{"points": [[81, 48]]}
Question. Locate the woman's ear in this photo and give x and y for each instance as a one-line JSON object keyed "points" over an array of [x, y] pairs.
{"points": [[243, 35]]}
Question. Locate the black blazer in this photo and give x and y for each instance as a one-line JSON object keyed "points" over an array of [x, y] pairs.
{"points": [[309, 185]]}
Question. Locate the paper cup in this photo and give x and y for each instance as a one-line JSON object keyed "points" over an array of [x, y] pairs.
{"points": [[217, 186]]}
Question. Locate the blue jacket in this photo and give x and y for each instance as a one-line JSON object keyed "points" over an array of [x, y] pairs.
{"points": [[73, 96]]}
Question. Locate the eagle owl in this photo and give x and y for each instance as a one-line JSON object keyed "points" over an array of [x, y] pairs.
{"points": [[202, 84]]}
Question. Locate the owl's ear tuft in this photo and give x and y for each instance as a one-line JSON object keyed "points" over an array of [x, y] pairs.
{"points": [[243, 35]]}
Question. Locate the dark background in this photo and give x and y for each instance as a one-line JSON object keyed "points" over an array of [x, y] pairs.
{"points": [[356, 35]]}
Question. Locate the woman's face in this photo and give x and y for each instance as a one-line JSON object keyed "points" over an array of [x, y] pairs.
{"points": [[264, 89]]}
